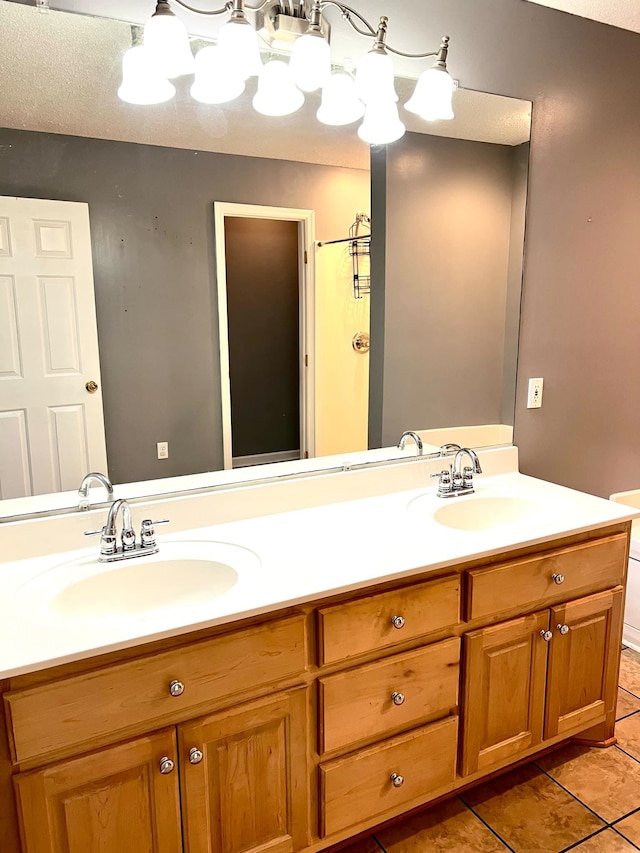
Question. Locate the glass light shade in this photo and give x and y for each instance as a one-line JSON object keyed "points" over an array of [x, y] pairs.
{"points": [[212, 84], [239, 49], [381, 124], [310, 62], [167, 40], [374, 78], [277, 94], [433, 94], [141, 81], [340, 104]]}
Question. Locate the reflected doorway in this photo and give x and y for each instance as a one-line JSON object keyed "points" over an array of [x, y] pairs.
{"points": [[265, 306]]}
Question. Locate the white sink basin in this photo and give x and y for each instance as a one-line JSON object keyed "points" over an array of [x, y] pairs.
{"points": [[476, 512], [182, 575]]}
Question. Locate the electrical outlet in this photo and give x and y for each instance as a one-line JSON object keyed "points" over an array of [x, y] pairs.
{"points": [[163, 449], [534, 396]]}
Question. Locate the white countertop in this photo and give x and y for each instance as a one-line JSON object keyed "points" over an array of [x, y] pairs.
{"points": [[284, 558]]}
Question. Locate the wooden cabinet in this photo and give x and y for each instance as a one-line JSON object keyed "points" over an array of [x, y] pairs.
{"points": [[114, 800], [239, 778], [547, 674]]}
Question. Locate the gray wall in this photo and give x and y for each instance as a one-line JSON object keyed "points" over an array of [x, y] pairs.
{"points": [[151, 213], [447, 233], [582, 254]]}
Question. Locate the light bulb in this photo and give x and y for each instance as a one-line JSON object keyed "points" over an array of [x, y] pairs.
{"points": [[212, 85], [374, 78], [433, 94], [141, 81], [311, 62], [239, 50], [340, 104], [167, 40], [277, 94], [381, 123]]}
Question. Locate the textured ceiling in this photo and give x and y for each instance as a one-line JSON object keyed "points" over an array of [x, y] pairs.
{"points": [[618, 13], [60, 72]]}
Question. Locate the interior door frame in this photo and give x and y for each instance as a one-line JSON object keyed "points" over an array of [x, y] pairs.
{"points": [[306, 319]]}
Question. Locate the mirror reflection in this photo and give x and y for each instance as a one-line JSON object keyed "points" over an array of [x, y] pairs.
{"points": [[148, 179]]}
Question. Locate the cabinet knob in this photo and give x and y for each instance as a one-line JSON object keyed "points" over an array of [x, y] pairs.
{"points": [[546, 635], [397, 780], [564, 629], [166, 765], [556, 577], [176, 688], [195, 755], [397, 621], [398, 698]]}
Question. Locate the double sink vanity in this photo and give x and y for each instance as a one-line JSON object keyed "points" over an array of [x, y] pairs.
{"points": [[301, 660]]}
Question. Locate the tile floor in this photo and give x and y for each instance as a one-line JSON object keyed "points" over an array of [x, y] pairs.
{"points": [[579, 799]]}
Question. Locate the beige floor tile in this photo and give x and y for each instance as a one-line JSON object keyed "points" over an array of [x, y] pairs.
{"points": [[627, 704], [630, 671], [365, 845], [448, 828], [604, 842], [630, 828], [606, 780], [531, 812], [628, 734]]}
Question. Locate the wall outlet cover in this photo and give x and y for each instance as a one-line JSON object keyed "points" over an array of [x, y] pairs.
{"points": [[163, 449], [534, 394]]}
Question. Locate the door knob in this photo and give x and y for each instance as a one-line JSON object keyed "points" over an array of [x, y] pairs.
{"points": [[91, 386]]}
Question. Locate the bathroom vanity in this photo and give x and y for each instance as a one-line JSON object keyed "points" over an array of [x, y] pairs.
{"points": [[395, 659]]}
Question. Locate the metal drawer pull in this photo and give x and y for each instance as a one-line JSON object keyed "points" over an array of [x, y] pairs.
{"points": [[166, 765], [564, 629], [176, 688], [398, 698], [195, 755], [397, 621], [546, 635], [397, 780], [556, 577]]}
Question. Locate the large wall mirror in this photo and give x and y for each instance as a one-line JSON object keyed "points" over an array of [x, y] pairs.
{"points": [[150, 177]]}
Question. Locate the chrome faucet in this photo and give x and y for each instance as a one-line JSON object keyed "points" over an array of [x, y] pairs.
{"points": [[456, 481], [83, 491], [414, 436], [129, 547]]}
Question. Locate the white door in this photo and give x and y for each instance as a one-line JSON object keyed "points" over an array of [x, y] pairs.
{"points": [[51, 426]]}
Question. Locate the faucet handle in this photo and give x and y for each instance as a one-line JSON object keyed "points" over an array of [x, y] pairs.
{"points": [[148, 533], [108, 541]]}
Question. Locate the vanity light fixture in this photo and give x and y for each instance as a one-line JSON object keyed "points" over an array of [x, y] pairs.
{"points": [[301, 29]]}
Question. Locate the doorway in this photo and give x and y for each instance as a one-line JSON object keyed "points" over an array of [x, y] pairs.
{"points": [[264, 263]]}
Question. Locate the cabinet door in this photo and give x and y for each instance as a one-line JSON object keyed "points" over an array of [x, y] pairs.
{"points": [[110, 801], [505, 670], [245, 787], [583, 662]]}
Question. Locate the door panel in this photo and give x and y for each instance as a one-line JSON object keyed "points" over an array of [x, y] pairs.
{"points": [[249, 791], [48, 348], [583, 662], [110, 801], [505, 668]]}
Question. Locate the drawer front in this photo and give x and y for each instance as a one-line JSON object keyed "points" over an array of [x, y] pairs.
{"points": [[365, 625], [360, 787], [102, 706], [549, 578], [379, 698]]}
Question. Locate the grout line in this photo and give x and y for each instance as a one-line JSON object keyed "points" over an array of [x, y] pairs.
{"points": [[490, 828], [625, 816], [626, 716], [628, 840], [575, 796], [635, 758], [586, 838]]}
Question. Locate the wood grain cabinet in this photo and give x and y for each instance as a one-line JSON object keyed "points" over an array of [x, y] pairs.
{"points": [[530, 679]]}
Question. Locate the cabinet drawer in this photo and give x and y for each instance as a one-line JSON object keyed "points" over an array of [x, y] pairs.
{"points": [[358, 705], [365, 625], [529, 583], [102, 706], [359, 787]]}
